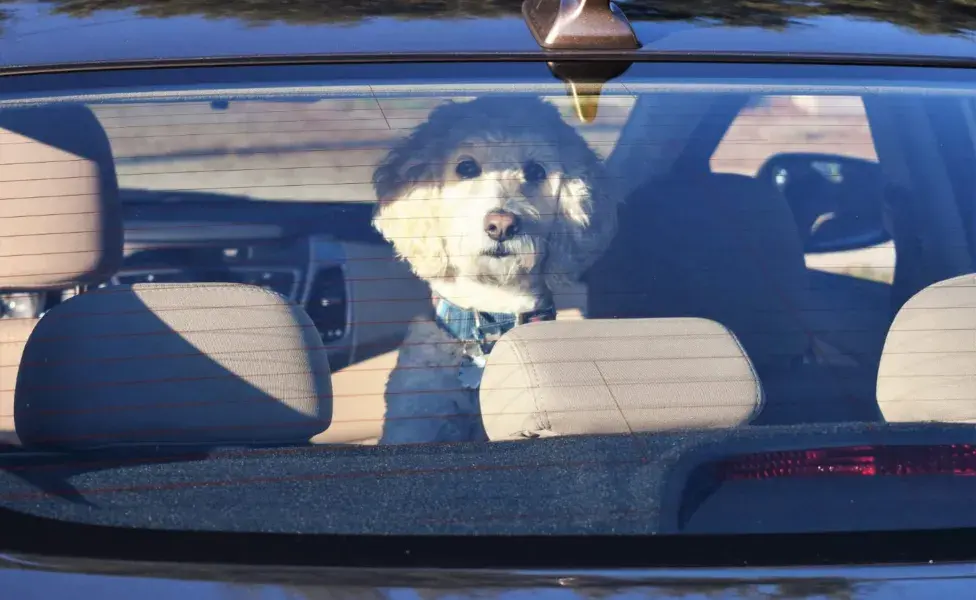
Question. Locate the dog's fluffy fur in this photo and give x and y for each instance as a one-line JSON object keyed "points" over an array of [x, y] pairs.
{"points": [[435, 219]]}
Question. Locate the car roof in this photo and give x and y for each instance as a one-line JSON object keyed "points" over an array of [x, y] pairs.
{"points": [[57, 32]]}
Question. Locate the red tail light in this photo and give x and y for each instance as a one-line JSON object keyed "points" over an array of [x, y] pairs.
{"points": [[870, 461]]}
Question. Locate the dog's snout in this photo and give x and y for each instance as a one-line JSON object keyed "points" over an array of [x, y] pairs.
{"points": [[501, 225]]}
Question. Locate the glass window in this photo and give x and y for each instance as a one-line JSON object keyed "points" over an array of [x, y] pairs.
{"points": [[819, 152], [320, 150], [251, 290], [833, 126]]}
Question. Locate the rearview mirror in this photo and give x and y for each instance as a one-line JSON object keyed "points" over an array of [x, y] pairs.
{"points": [[837, 201]]}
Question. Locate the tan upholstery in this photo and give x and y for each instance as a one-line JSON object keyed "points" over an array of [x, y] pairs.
{"points": [[60, 221], [928, 367], [13, 338], [617, 376], [359, 401], [169, 363], [359, 390], [60, 217]]}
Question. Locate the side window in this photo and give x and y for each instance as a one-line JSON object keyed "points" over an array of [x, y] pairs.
{"points": [[772, 125], [818, 151]]}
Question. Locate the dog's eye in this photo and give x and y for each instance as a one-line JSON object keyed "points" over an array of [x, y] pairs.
{"points": [[534, 172], [468, 169]]}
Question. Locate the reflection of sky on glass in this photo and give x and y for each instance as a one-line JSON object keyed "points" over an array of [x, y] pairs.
{"points": [[34, 35]]}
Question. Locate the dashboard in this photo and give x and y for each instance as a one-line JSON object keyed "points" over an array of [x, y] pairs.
{"points": [[308, 270], [323, 256]]}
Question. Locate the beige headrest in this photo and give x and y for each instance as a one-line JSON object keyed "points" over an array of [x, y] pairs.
{"points": [[617, 376], [60, 217], [928, 367], [167, 363]]}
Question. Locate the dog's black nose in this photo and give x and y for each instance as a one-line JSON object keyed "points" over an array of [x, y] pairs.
{"points": [[501, 225]]}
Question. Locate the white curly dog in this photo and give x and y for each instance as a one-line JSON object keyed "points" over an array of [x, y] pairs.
{"points": [[495, 203]]}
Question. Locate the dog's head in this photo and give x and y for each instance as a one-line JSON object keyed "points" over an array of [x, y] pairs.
{"points": [[498, 190]]}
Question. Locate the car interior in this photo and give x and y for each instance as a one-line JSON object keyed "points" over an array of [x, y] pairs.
{"points": [[150, 305]]}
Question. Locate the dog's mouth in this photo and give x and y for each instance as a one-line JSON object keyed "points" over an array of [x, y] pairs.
{"points": [[498, 251], [506, 262], [513, 247]]}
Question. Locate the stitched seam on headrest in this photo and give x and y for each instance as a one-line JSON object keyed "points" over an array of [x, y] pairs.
{"points": [[520, 358], [543, 416]]}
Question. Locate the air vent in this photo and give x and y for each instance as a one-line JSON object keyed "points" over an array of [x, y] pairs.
{"points": [[280, 281], [327, 303], [162, 276]]}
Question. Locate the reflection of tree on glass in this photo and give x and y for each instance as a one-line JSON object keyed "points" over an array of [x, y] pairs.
{"points": [[952, 16]]}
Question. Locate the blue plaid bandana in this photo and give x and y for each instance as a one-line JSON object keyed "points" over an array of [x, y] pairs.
{"points": [[484, 327]]}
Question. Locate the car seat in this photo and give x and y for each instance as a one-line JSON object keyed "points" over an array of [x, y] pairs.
{"points": [[60, 225], [725, 247], [152, 364], [558, 378], [928, 367]]}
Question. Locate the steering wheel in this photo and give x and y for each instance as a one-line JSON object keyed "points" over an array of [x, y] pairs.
{"points": [[812, 197]]}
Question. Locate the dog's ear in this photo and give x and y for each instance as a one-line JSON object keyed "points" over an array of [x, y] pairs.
{"points": [[408, 185], [416, 160], [411, 223], [407, 214], [585, 224]]}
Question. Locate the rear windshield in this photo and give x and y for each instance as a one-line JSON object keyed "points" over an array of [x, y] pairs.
{"points": [[487, 303]]}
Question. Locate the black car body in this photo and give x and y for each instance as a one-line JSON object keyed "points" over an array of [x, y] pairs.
{"points": [[89, 48]]}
